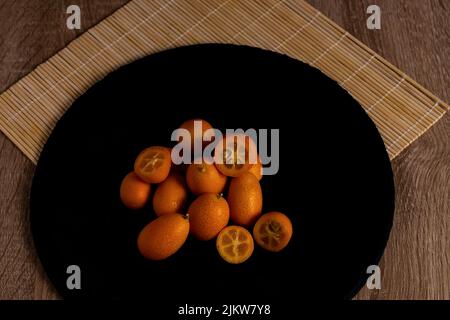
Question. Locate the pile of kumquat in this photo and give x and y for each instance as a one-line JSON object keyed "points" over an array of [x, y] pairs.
{"points": [[224, 190]]}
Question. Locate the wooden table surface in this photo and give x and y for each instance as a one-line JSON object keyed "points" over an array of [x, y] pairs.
{"points": [[415, 36]]}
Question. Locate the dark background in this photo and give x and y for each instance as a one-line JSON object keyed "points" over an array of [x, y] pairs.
{"points": [[414, 36]]}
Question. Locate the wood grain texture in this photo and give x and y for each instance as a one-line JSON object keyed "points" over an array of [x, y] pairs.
{"points": [[31, 32], [414, 36], [400, 107]]}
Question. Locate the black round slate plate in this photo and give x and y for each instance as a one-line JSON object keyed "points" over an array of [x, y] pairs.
{"points": [[334, 181]]}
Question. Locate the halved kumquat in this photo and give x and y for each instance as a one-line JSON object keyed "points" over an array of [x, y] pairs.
{"points": [[273, 231], [235, 244], [153, 164], [235, 154]]}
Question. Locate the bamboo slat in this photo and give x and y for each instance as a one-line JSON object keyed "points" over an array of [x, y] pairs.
{"points": [[402, 109]]}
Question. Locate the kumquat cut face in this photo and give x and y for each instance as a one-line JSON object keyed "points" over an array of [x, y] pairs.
{"points": [[153, 164], [235, 244], [235, 154], [273, 231]]}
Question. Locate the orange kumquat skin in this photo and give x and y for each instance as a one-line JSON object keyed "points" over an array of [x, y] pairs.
{"points": [[170, 195], [205, 178], [245, 199], [134, 192], [208, 215], [190, 126], [164, 236]]}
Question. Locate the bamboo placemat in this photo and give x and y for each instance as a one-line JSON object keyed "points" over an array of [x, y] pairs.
{"points": [[402, 109]]}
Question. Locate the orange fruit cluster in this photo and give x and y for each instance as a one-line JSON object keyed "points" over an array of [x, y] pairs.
{"points": [[234, 172]]}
